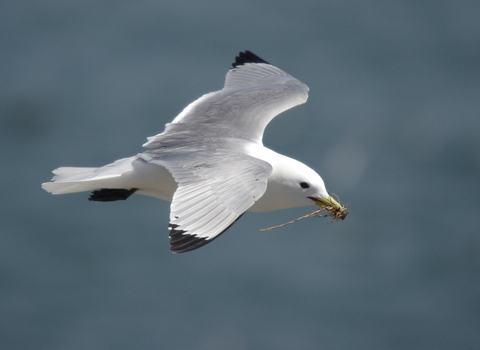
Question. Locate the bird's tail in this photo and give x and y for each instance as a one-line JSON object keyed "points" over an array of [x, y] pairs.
{"points": [[71, 180]]}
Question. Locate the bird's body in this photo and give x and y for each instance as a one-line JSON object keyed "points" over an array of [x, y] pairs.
{"points": [[210, 161]]}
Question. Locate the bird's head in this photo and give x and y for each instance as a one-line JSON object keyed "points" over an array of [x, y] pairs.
{"points": [[293, 184], [310, 189]]}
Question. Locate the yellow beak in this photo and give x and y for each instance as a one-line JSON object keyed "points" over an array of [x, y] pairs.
{"points": [[330, 202]]}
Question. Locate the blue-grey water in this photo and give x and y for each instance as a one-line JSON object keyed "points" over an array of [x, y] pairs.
{"points": [[392, 125]]}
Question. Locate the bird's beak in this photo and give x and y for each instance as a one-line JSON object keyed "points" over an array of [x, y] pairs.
{"points": [[330, 202], [334, 209]]}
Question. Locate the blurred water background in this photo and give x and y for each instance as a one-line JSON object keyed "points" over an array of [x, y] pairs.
{"points": [[392, 125]]}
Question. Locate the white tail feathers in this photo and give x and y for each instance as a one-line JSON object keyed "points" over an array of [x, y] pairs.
{"points": [[71, 180]]}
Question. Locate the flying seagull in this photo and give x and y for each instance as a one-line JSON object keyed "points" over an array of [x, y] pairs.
{"points": [[210, 161]]}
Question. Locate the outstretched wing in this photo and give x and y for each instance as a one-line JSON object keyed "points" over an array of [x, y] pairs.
{"points": [[214, 189], [203, 149], [254, 93]]}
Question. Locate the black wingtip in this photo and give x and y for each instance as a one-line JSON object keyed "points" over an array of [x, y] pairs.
{"points": [[111, 194], [182, 242], [247, 57]]}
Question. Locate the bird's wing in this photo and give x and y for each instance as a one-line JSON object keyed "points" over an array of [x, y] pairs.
{"points": [[254, 93], [214, 189], [203, 148]]}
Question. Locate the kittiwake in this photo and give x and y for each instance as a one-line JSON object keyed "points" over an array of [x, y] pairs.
{"points": [[210, 161]]}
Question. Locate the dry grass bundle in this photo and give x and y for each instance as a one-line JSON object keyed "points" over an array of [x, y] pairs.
{"points": [[336, 213]]}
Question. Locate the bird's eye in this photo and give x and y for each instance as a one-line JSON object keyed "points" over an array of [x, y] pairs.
{"points": [[304, 185]]}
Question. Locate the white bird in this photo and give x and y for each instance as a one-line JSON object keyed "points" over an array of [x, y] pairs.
{"points": [[210, 161]]}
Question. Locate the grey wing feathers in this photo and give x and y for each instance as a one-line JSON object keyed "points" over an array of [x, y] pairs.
{"points": [[254, 93], [214, 190]]}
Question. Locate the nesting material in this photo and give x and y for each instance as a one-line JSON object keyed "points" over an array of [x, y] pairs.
{"points": [[336, 213]]}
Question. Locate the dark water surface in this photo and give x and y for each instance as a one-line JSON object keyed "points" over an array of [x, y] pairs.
{"points": [[392, 125]]}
